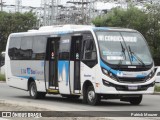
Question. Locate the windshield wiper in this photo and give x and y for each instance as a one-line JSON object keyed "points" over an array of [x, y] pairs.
{"points": [[134, 55], [123, 51]]}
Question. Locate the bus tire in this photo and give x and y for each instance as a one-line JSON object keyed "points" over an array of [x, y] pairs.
{"points": [[34, 93], [92, 97], [135, 100]]}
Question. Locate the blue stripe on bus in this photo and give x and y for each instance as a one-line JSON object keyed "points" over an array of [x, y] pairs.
{"points": [[115, 72], [26, 77], [63, 66], [100, 28], [140, 76], [63, 32]]}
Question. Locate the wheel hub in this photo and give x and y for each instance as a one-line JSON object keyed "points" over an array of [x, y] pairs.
{"points": [[91, 95], [33, 90]]}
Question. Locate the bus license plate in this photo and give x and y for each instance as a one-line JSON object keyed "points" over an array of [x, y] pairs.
{"points": [[132, 87]]}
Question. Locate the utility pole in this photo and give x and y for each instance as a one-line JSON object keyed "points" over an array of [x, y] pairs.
{"points": [[82, 10], [18, 5], [1, 5], [45, 12], [52, 8]]}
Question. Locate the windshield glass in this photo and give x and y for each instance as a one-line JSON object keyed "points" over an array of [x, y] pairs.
{"points": [[125, 48]]}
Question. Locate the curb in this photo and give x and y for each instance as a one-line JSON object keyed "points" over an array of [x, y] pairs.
{"points": [[37, 105]]}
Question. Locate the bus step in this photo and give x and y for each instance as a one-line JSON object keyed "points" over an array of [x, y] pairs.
{"points": [[53, 91], [53, 87]]}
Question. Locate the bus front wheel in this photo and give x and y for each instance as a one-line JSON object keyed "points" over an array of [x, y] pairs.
{"points": [[92, 97], [34, 93], [135, 100]]}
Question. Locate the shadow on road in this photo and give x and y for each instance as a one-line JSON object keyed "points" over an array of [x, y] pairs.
{"points": [[58, 99]]}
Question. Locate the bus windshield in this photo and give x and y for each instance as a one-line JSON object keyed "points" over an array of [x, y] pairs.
{"points": [[123, 48]]}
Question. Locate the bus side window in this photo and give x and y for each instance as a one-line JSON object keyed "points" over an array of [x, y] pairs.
{"points": [[39, 47], [64, 47], [14, 48], [89, 56], [89, 50], [26, 48]]}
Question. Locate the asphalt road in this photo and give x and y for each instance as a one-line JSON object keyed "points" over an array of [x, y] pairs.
{"points": [[149, 103]]}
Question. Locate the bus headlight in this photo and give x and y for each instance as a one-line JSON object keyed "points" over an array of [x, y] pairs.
{"points": [[109, 74], [105, 71], [151, 74]]}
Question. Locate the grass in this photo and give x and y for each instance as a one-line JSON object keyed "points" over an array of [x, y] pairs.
{"points": [[2, 77], [157, 88]]}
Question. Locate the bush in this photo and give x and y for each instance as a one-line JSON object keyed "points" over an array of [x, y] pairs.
{"points": [[2, 77], [157, 88]]}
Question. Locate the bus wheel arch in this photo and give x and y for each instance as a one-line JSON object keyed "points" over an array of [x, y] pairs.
{"points": [[30, 80], [32, 88], [89, 95], [135, 100]]}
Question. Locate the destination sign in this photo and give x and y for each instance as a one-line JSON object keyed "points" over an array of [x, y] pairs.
{"points": [[117, 38]]}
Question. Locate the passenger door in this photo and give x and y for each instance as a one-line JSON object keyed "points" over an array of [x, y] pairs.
{"points": [[64, 64], [75, 57], [53, 49], [69, 64]]}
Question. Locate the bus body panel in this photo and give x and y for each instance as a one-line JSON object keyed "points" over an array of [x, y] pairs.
{"points": [[41, 85], [63, 76], [18, 72], [71, 77], [46, 74]]}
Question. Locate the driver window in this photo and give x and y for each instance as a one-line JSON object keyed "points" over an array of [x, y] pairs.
{"points": [[89, 50]]}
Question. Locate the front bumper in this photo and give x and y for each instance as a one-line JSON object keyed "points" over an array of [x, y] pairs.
{"points": [[115, 88], [128, 87]]}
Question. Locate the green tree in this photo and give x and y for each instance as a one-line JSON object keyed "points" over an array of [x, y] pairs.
{"points": [[130, 18], [15, 22], [146, 22], [153, 35]]}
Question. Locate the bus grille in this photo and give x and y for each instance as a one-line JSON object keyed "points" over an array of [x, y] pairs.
{"points": [[132, 80]]}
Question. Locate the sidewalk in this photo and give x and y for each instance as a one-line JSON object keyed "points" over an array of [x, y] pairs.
{"points": [[2, 81], [13, 106], [156, 93]]}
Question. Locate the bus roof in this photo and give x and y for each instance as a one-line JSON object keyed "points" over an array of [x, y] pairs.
{"points": [[80, 27], [62, 29]]}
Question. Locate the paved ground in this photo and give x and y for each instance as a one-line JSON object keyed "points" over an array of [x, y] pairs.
{"points": [[19, 100], [16, 107]]}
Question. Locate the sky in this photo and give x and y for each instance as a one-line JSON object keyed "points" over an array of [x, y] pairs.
{"points": [[37, 3], [33, 3]]}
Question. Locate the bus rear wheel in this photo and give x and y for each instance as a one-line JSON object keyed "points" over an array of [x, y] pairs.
{"points": [[135, 100], [34, 93], [92, 97]]}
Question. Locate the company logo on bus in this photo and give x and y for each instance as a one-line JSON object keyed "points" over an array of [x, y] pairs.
{"points": [[30, 71]]}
